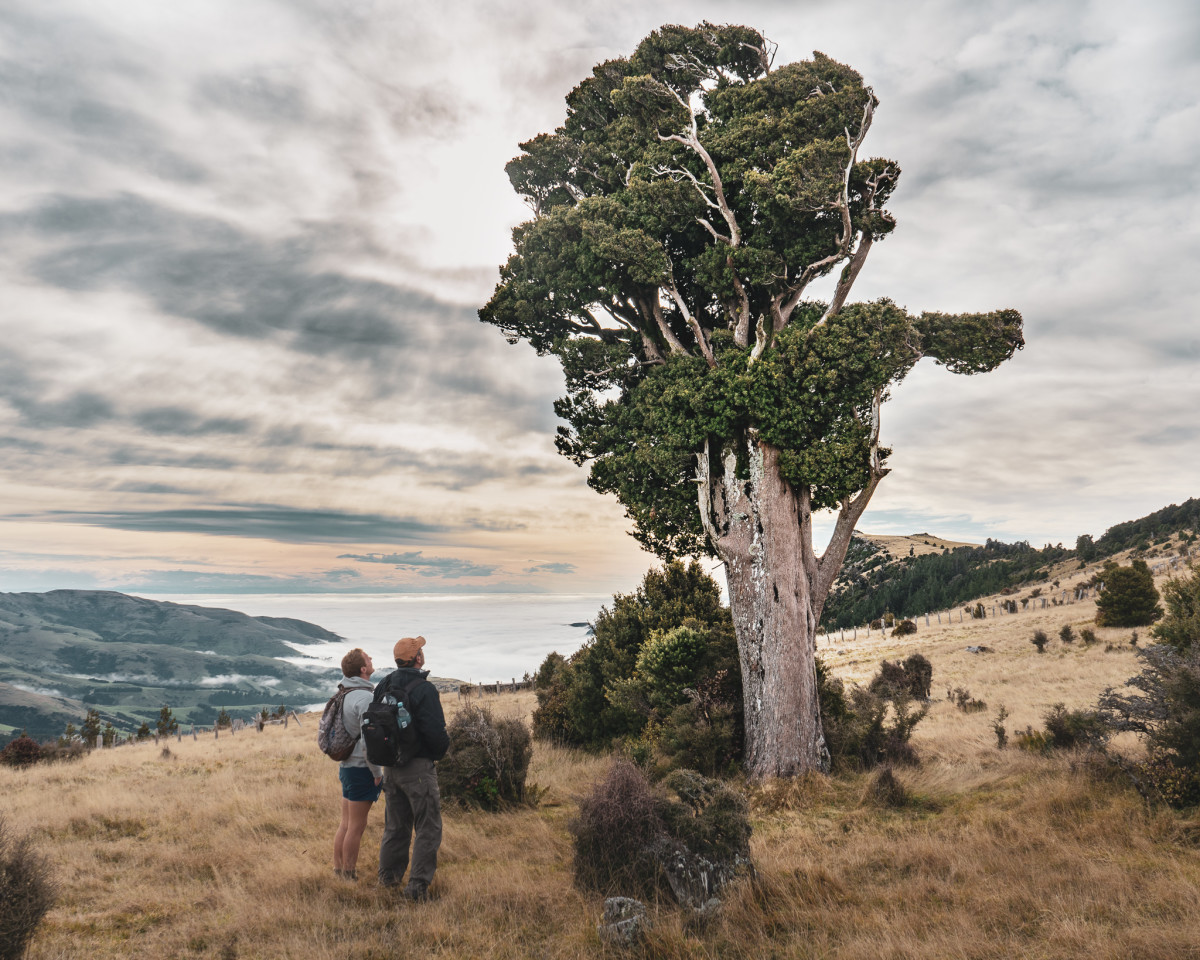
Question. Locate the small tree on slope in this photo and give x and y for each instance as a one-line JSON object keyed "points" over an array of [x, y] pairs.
{"points": [[681, 213]]}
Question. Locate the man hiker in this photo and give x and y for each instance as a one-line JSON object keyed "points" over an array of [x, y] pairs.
{"points": [[411, 789]]}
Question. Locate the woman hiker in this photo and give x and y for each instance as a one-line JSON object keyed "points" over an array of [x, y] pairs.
{"points": [[360, 780]]}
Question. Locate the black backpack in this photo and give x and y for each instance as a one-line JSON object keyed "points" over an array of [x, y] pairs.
{"points": [[388, 729]]}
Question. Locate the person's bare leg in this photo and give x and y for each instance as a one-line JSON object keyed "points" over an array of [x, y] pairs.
{"points": [[358, 811], [339, 838]]}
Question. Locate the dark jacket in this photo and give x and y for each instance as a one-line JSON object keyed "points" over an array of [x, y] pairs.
{"points": [[425, 706]]}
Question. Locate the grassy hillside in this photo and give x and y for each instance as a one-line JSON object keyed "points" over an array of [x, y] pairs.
{"points": [[222, 848], [909, 576], [64, 651]]}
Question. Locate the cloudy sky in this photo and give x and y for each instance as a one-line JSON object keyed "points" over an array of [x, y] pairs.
{"points": [[244, 242]]}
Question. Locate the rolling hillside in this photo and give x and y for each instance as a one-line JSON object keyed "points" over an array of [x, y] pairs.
{"points": [[64, 651]]}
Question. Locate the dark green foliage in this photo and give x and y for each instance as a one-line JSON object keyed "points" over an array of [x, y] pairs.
{"points": [[625, 824], [904, 628], [1069, 729], [1088, 636], [21, 752], [89, 731], [873, 724], [488, 760], [1039, 640], [1169, 520], [167, 724], [710, 818], [108, 735], [27, 892], [143, 732], [1066, 634], [912, 677], [1129, 597], [701, 736], [548, 671], [651, 646], [1163, 705], [935, 581], [1181, 626], [224, 720], [623, 277]]}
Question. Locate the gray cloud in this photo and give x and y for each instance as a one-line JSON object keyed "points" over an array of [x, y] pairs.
{"points": [[283, 524], [449, 568], [551, 568]]}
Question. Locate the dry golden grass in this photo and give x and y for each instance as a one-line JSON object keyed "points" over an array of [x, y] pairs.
{"points": [[223, 848]]}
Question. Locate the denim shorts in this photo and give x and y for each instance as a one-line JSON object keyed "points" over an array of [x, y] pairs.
{"points": [[358, 784]]}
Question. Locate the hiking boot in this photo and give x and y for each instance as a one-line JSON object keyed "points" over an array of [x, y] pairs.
{"points": [[416, 891]]}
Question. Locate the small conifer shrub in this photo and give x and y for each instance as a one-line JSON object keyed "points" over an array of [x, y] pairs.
{"points": [[1066, 634], [1039, 640]]}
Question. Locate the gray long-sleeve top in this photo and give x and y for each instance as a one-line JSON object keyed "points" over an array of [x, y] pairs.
{"points": [[356, 702]]}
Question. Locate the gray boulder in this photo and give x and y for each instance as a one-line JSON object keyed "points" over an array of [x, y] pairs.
{"points": [[624, 921]]}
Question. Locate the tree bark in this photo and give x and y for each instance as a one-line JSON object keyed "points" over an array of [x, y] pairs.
{"points": [[758, 524]]}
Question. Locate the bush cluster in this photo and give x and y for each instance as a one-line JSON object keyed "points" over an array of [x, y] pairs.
{"points": [[21, 752], [625, 825], [27, 891], [660, 677], [873, 725], [1065, 730], [961, 698], [488, 760]]}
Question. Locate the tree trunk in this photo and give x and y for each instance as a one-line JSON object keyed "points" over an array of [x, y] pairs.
{"points": [[758, 524]]}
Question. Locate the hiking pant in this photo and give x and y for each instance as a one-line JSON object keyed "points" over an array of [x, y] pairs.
{"points": [[412, 800]]}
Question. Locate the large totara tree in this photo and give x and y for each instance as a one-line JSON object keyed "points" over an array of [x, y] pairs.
{"points": [[681, 213]]}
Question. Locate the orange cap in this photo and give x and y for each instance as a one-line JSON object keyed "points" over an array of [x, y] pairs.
{"points": [[407, 648]]}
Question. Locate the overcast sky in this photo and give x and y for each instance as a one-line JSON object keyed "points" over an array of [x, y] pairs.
{"points": [[244, 243]]}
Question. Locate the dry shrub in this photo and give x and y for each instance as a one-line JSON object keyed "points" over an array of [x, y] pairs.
{"points": [[26, 893], [21, 752], [488, 760], [904, 628], [884, 790], [634, 840], [617, 824]]}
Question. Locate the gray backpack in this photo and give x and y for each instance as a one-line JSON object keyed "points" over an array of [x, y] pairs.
{"points": [[333, 739]]}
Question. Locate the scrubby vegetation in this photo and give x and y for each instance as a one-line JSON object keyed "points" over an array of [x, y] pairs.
{"points": [[488, 760], [631, 838], [27, 892], [660, 676]]}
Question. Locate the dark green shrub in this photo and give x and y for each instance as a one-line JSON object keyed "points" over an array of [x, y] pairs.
{"points": [[1165, 707], [1039, 640], [1181, 626], [1088, 636], [21, 752], [488, 760], [167, 724], [27, 892], [595, 698], [1066, 634], [912, 676], [871, 725], [89, 730], [548, 672], [702, 737], [904, 628], [1129, 597], [1069, 729], [710, 818]]}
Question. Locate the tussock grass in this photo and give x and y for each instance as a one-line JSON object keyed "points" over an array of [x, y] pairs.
{"points": [[224, 849]]}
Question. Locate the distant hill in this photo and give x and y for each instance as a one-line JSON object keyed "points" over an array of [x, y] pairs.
{"points": [[64, 651], [909, 576]]}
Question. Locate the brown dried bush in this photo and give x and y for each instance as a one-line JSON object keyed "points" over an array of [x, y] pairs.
{"points": [[26, 892]]}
